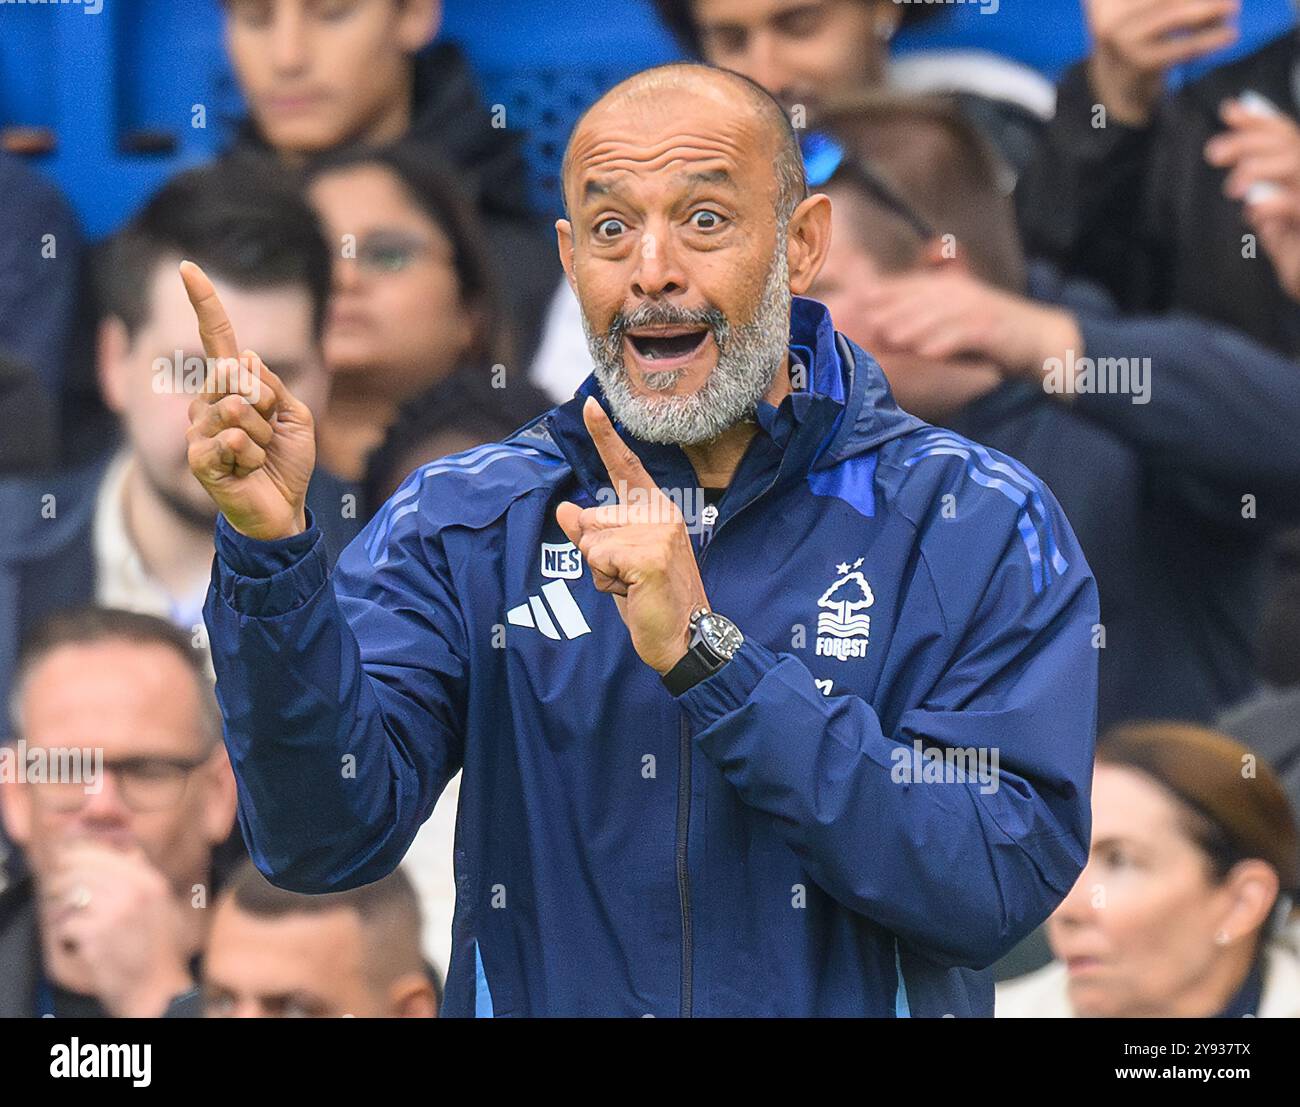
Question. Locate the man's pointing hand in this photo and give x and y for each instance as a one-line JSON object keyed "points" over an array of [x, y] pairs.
{"points": [[638, 550], [252, 444]]}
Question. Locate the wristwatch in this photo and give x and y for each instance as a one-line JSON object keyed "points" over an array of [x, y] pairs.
{"points": [[714, 641]]}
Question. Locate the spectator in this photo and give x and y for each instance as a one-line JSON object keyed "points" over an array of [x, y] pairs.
{"points": [[1183, 907], [357, 72], [133, 528], [414, 294], [1130, 191], [809, 52], [1267, 721], [1175, 474], [278, 954], [110, 921], [797, 51]]}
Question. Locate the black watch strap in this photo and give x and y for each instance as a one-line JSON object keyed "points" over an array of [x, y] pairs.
{"points": [[698, 664]]}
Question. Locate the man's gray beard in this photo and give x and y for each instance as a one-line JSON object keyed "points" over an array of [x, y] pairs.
{"points": [[748, 358]]}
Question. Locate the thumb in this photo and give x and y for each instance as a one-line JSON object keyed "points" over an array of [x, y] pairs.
{"points": [[567, 515]]}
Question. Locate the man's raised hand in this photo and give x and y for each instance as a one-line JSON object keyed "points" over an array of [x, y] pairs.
{"points": [[638, 550], [252, 444], [1137, 42]]}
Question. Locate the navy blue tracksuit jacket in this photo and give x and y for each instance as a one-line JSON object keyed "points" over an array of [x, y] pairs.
{"points": [[768, 843]]}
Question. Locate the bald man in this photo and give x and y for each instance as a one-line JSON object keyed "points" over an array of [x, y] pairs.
{"points": [[770, 698]]}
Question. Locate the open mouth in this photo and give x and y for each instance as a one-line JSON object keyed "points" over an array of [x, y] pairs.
{"points": [[668, 345]]}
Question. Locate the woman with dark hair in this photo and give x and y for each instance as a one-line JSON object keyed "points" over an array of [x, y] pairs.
{"points": [[1183, 909], [414, 293]]}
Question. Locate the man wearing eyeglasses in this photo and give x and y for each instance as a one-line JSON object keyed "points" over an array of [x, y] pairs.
{"points": [[119, 831], [703, 639]]}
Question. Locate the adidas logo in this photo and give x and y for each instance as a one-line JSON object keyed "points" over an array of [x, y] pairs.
{"points": [[563, 610]]}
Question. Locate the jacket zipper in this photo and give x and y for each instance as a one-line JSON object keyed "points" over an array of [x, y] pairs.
{"points": [[683, 840], [683, 875], [684, 805]]}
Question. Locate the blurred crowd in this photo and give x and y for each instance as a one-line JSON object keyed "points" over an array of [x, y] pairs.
{"points": [[1107, 290]]}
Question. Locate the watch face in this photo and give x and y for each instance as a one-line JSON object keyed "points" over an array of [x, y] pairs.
{"points": [[721, 635]]}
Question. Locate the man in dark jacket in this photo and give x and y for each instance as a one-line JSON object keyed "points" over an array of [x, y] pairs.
{"points": [[315, 81], [733, 758], [1125, 192], [1170, 441]]}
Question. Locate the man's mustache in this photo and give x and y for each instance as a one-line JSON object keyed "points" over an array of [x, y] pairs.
{"points": [[666, 315]]}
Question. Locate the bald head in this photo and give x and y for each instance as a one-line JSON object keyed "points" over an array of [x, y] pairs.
{"points": [[729, 94]]}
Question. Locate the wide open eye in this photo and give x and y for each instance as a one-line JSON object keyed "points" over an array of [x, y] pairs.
{"points": [[706, 220], [610, 228]]}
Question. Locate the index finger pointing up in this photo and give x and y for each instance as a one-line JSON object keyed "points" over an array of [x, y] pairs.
{"points": [[214, 326], [623, 465]]}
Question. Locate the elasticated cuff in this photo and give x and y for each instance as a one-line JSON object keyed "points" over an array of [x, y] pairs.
{"points": [[264, 579]]}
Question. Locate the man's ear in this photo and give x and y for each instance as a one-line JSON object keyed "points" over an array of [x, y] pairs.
{"points": [[418, 24], [112, 344], [564, 242], [221, 804], [412, 997], [808, 239]]}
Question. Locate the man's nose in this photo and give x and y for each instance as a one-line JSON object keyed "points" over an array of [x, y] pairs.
{"points": [[658, 272], [105, 806], [289, 40], [345, 274]]}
